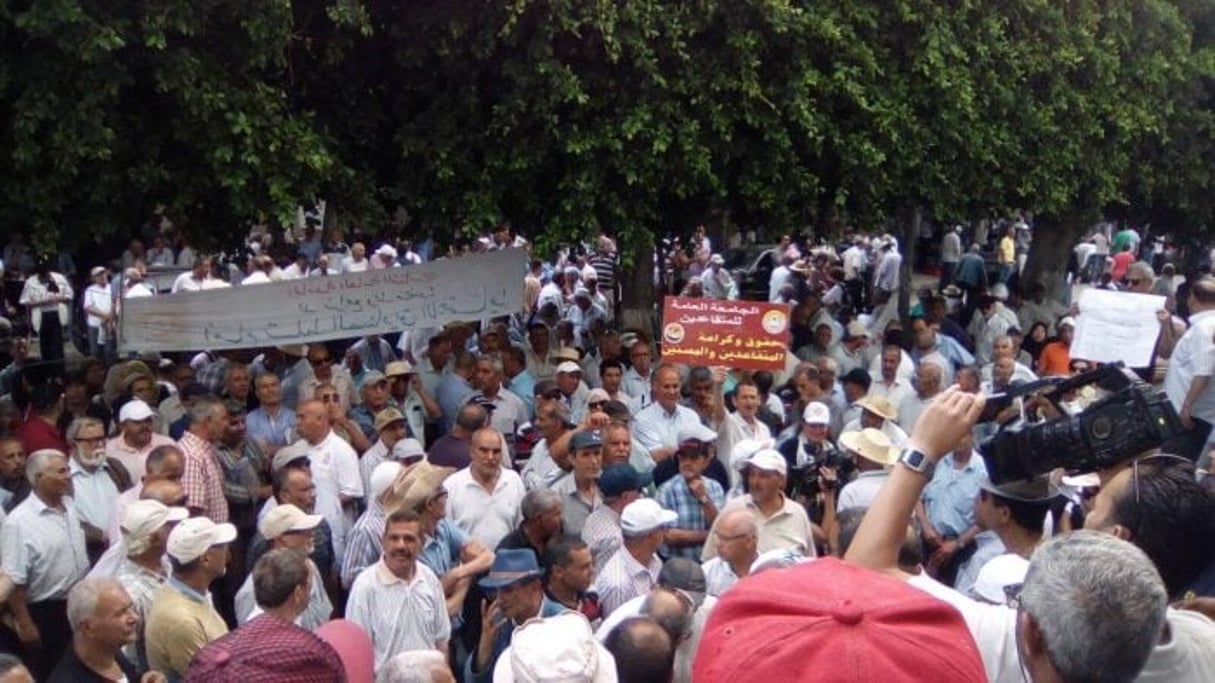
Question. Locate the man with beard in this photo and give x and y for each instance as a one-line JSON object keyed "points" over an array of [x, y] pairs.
{"points": [[136, 438], [96, 481]]}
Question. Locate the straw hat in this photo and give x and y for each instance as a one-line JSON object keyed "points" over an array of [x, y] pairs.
{"points": [[872, 445], [880, 406], [414, 486]]}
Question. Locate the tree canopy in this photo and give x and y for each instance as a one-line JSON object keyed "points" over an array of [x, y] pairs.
{"points": [[565, 115]]}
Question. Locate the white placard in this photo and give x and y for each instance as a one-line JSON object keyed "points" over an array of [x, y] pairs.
{"points": [[1117, 326], [331, 307]]}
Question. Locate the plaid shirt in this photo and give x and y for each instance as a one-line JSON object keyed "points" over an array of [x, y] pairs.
{"points": [[676, 496], [201, 480]]}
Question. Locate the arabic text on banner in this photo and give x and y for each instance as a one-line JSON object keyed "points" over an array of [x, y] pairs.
{"points": [[751, 335], [1116, 326], [332, 307]]}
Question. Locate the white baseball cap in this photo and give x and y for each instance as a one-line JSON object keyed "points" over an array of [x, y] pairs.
{"points": [[386, 250], [135, 410], [143, 517], [557, 648], [569, 366], [769, 460], [743, 450], [193, 537], [284, 518], [816, 414], [382, 477], [697, 432], [644, 515], [407, 449]]}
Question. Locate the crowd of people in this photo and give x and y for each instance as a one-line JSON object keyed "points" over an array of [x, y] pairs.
{"points": [[541, 496]]}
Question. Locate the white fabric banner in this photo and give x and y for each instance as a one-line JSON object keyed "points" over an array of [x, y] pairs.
{"points": [[1116, 326], [331, 307]]}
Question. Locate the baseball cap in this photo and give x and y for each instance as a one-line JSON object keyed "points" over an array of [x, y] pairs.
{"points": [[386, 417], [382, 477], [743, 450], [193, 537], [839, 621], [618, 479], [135, 410], [372, 378], [144, 517], [289, 454], [386, 250], [284, 518], [569, 366], [97, 270], [855, 330], [597, 396], [816, 414], [557, 648], [586, 439], [408, 449], [697, 432], [716, 259], [1067, 320], [768, 460], [643, 516]]}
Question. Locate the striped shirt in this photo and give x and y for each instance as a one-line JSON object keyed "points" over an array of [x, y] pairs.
{"points": [[43, 549], [605, 269], [399, 615], [365, 543], [602, 535], [201, 480], [624, 578]]}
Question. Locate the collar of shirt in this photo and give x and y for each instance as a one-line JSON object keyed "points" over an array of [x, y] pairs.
{"points": [[634, 568], [784, 508], [75, 468], [387, 578], [185, 590]]}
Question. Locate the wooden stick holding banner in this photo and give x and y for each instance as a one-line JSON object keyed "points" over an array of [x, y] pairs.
{"points": [[748, 335], [318, 309]]}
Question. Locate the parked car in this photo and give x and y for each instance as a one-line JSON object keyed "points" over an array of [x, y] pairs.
{"points": [[752, 268]]}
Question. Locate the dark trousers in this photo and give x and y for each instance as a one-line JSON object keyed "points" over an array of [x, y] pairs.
{"points": [[50, 616], [50, 337], [947, 268], [1189, 444]]}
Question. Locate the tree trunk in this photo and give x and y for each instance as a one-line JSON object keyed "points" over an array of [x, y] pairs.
{"points": [[909, 235], [639, 291], [1053, 242]]}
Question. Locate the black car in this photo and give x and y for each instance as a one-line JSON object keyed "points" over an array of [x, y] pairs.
{"points": [[752, 268]]}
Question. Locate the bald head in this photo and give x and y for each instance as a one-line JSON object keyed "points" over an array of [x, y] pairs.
{"points": [[164, 491]]}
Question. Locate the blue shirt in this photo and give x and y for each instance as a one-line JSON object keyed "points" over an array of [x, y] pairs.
{"points": [[441, 551], [548, 608], [949, 499], [523, 385], [274, 429], [453, 392], [675, 495]]}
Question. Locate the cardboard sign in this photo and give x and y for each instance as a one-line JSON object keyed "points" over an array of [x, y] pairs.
{"points": [[750, 335]]}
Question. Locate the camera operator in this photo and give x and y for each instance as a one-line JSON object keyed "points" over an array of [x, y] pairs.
{"points": [[807, 454], [1092, 606], [1016, 513]]}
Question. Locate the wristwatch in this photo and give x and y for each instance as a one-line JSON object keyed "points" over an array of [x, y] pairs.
{"points": [[916, 461]]}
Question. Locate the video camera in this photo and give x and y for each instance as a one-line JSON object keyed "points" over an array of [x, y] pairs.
{"points": [[1127, 420]]}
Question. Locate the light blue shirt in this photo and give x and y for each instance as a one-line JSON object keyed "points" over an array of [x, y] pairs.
{"points": [[274, 429], [523, 385], [655, 428], [94, 493], [453, 392], [949, 499]]}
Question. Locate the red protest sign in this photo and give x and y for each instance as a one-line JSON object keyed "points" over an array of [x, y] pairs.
{"points": [[751, 335]]}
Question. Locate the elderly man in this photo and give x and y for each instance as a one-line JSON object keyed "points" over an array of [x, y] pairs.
{"points": [[619, 485], [201, 478], [335, 471], [399, 601], [947, 513], [633, 569], [507, 412], [363, 543], [14, 487], [165, 465], [737, 540], [145, 528], [638, 378], [695, 498], [454, 448], [271, 425], [484, 498], [96, 481], [553, 424], [927, 382], [391, 426], [136, 438], [42, 550], [245, 478], [880, 414], [873, 453], [578, 489], [373, 389], [324, 371], [515, 581], [408, 391], [456, 387], [540, 524], [292, 483], [657, 426], [892, 385], [290, 528], [182, 619], [272, 645], [103, 623], [782, 522]]}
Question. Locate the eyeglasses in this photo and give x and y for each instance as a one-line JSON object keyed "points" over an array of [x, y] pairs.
{"points": [[596, 404], [85, 439], [1165, 459], [329, 398], [314, 362]]}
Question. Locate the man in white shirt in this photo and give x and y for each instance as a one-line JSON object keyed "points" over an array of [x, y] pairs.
{"points": [[195, 279], [1191, 363], [782, 522], [99, 313], [357, 261], [737, 537], [877, 413], [656, 427], [740, 424], [484, 498], [892, 384], [873, 453], [335, 471]]}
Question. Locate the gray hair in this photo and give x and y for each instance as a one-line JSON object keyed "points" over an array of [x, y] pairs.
{"points": [[78, 424], [492, 360], [1099, 603], [276, 576], [204, 408], [39, 460], [742, 518], [539, 501], [1142, 269], [82, 599], [415, 666], [830, 365]]}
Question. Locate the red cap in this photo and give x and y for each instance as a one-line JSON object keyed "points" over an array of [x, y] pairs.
{"points": [[826, 620]]}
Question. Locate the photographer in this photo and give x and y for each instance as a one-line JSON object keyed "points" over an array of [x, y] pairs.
{"points": [[1092, 606]]}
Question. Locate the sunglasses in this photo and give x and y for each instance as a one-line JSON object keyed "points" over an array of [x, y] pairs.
{"points": [[314, 362], [329, 398], [596, 404]]}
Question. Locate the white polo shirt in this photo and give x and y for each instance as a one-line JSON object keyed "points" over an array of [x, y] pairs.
{"points": [[1193, 356], [487, 517]]}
